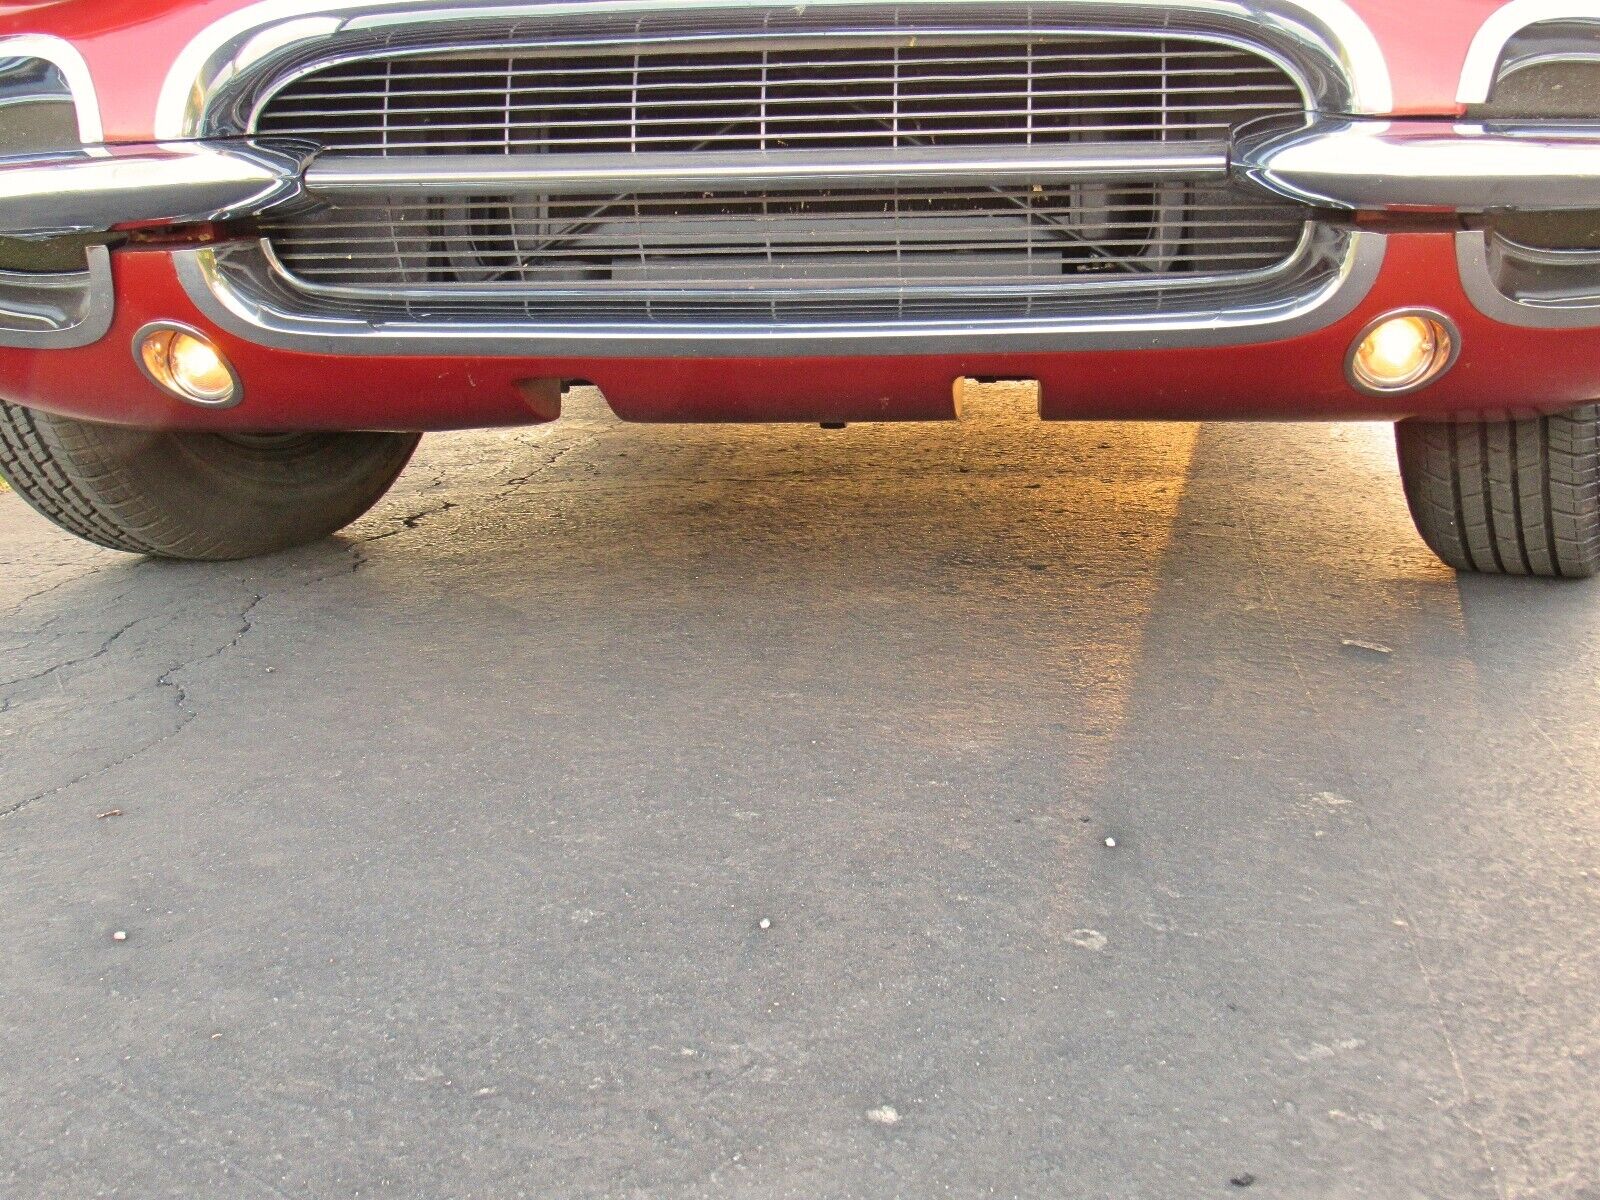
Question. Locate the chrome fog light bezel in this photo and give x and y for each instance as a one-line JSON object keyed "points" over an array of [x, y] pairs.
{"points": [[1446, 352], [151, 350]]}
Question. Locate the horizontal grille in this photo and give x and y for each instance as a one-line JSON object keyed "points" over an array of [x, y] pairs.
{"points": [[869, 251], [1010, 93], [530, 257]]}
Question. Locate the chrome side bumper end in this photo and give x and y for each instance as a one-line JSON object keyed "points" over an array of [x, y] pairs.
{"points": [[1366, 165], [101, 188]]}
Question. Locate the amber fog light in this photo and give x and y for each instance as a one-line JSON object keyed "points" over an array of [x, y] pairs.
{"points": [[1403, 351], [183, 362]]}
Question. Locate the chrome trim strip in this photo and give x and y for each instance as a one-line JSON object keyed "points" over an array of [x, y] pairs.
{"points": [[99, 188], [1477, 279], [1547, 256], [1368, 165], [257, 318], [1509, 68], [211, 122], [1482, 67], [565, 174], [253, 39]]}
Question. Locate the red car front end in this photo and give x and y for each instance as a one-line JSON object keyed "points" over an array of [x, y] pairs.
{"points": [[385, 215]]}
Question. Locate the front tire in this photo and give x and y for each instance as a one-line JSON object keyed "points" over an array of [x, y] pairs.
{"points": [[1507, 497], [205, 496]]}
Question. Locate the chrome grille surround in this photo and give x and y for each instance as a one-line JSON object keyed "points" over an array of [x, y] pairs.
{"points": [[1534, 287], [52, 309], [890, 269]]}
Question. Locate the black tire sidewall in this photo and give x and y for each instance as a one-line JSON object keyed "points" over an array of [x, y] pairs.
{"points": [[257, 499], [203, 495]]}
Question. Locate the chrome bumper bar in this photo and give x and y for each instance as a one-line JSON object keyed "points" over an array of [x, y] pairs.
{"points": [[336, 178], [1341, 163]]}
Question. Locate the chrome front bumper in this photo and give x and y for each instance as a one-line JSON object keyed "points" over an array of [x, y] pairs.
{"points": [[1347, 164], [1331, 165]]}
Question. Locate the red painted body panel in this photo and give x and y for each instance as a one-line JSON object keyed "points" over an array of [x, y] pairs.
{"points": [[129, 45], [1500, 368]]}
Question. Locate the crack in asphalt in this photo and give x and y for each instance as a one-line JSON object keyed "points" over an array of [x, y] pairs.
{"points": [[410, 521], [16, 606], [38, 630], [7, 701], [167, 680], [181, 694], [517, 482], [48, 564], [414, 520]]}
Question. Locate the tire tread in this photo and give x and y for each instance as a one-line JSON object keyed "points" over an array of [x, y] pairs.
{"points": [[71, 497], [1510, 497]]}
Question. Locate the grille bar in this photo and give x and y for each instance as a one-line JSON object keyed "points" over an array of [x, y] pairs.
{"points": [[493, 99], [731, 142], [544, 72], [344, 176]]}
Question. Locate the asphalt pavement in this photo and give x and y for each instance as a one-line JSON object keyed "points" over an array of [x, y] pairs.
{"points": [[993, 809]]}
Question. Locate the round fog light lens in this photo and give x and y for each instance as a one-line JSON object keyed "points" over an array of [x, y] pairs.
{"points": [[1402, 352], [184, 363]]}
